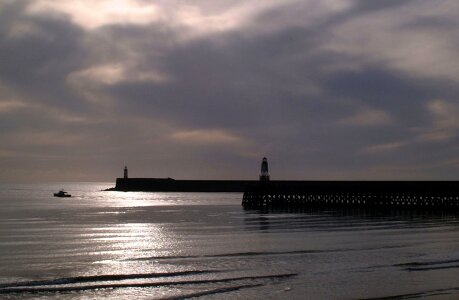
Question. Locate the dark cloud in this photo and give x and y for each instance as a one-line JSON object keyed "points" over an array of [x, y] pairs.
{"points": [[173, 100], [362, 6], [36, 55]]}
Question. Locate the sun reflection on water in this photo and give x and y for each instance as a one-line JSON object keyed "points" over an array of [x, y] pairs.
{"points": [[130, 248]]}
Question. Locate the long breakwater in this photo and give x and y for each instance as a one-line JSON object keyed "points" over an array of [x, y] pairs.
{"points": [[283, 193]]}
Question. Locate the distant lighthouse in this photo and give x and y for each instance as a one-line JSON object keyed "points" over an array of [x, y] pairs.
{"points": [[125, 172], [264, 175]]}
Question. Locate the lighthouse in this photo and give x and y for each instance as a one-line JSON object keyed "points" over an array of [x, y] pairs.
{"points": [[264, 175], [125, 172]]}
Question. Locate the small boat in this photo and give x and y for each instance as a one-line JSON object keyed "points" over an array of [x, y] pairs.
{"points": [[62, 194]]}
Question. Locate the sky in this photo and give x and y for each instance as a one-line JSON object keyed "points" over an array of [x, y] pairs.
{"points": [[204, 89]]}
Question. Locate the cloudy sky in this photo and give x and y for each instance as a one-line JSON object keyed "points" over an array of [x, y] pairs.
{"points": [[330, 89]]}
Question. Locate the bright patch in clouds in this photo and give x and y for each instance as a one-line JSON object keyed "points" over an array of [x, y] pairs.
{"points": [[110, 12], [10, 105], [200, 17], [383, 148], [207, 137], [106, 74], [111, 74], [445, 121], [369, 116], [94, 14]]}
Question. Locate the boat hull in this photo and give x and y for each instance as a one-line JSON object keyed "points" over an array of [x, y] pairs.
{"points": [[62, 196]]}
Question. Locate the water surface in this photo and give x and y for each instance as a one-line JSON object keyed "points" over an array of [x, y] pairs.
{"points": [[116, 245]]}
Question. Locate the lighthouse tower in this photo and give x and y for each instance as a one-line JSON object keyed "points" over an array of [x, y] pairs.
{"points": [[264, 175], [125, 172]]}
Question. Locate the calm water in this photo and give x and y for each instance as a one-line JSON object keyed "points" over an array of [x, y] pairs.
{"points": [[115, 245]]}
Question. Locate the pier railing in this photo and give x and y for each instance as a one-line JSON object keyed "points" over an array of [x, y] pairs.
{"points": [[399, 194]]}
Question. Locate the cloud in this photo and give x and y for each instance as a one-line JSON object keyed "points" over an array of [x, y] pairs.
{"points": [[445, 124], [201, 89], [41, 138], [99, 13], [398, 38], [368, 117], [206, 137], [111, 74], [10, 105], [384, 147], [198, 18]]}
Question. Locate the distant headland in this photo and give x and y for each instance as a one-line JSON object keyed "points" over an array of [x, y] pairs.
{"points": [[265, 192]]}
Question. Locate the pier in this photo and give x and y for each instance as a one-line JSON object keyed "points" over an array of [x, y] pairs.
{"points": [[311, 194], [354, 194], [172, 185], [351, 194]]}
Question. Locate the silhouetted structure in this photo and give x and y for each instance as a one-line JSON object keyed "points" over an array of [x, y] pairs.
{"points": [[125, 172], [279, 193], [62, 194], [264, 174], [172, 185], [352, 194]]}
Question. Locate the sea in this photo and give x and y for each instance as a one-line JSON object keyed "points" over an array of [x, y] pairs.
{"points": [[134, 245]]}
